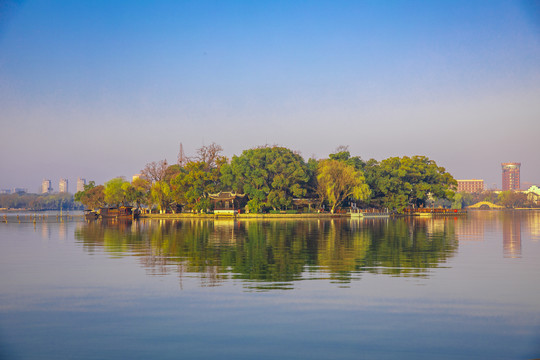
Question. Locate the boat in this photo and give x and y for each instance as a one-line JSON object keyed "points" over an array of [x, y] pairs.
{"points": [[425, 212], [91, 214], [122, 212], [359, 213]]}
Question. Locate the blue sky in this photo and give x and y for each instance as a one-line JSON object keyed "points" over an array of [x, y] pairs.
{"points": [[97, 89]]}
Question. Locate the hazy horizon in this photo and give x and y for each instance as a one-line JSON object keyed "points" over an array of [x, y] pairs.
{"points": [[99, 89]]}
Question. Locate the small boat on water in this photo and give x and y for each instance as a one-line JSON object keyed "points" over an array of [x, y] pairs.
{"points": [[91, 214], [369, 214], [122, 212]]}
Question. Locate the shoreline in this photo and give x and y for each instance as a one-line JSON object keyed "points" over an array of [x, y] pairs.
{"points": [[242, 216]]}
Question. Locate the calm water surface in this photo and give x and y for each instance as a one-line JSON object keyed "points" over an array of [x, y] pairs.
{"points": [[423, 288]]}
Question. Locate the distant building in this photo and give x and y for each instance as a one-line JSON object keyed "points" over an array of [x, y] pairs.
{"points": [[63, 186], [470, 186], [533, 194], [46, 186], [5, 191], [80, 184], [19, 190], [510, 176], [136, 177]]}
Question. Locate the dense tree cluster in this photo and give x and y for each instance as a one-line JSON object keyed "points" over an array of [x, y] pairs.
{"points": [[272, 176], [58, 201]]}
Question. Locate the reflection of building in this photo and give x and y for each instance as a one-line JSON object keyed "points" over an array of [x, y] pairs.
{"points": [[436, 225], [470, 186], [80, 184], [534, 225], [46, 186], [511, 237], [63, 186], [62, 230], [510, 176]]}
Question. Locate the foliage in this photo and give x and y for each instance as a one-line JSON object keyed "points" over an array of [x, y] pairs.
{"points": [[138, 193], [192, 185], [115, 191], [342, 154], [337, 181], [463, 199], [161, 195], [270, 176], [408, 181], [512, 199], [27, 201], [92, 197], [198, 178]]}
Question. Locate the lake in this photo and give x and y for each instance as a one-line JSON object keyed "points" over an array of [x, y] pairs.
{"points": [[406, 288]]}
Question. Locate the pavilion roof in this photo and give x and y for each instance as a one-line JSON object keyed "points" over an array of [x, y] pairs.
{"points": [[225, 195]]}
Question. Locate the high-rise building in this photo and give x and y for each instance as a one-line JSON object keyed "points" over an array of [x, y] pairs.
{"points": [[80, 184], [63, 186], [510, 176], [470, 186], [46, 186]]}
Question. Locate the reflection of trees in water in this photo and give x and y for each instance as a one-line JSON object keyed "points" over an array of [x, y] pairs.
{"points": [[409, 246], [276, 252]]}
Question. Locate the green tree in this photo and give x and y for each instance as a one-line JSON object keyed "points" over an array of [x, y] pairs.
{"points": [[93, 197], [115, 191], [139, 192], [337, 181], [192, 185], [342, 154], [270, 176], [199, 177], [162, 195], [408, 181]]}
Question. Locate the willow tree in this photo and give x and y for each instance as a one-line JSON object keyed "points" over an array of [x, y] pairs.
{"points": [[161, 195], [338, 181], [114, 191]]}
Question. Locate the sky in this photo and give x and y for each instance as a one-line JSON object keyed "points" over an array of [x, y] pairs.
{"points": [[98, 89]]}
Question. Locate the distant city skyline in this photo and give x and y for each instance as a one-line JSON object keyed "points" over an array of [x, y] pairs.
{"points": [[99, 89]]}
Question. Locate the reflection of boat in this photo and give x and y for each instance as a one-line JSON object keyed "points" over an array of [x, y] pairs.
{"points": [[368, 214], [436, 212], [122, 212], [91, 214]]}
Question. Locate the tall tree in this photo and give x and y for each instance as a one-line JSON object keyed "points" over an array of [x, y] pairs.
{"points": [[162, 195], [342, 154], [93, 197], [115, 191], [270, 176], [409, 181], [200, 176], [338, 180], [155, 171]]}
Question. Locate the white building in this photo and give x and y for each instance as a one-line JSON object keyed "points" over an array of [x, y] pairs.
{"points": [[63, 186], [46, 186], [533, 194], [80, 184]]}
